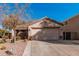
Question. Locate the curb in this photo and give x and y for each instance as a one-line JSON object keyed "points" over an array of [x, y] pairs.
{"points": [[27, 51]]}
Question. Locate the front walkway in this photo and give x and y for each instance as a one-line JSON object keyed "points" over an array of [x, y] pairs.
{"points": [[52, 48]]}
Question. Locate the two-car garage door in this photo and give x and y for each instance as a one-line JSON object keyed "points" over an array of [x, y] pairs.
{"points": [[46, 34]]}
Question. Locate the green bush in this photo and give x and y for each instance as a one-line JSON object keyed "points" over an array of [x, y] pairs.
{"points": [[3, 32]]}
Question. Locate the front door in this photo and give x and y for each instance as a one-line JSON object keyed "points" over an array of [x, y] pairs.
{"points": [[66, 35]]}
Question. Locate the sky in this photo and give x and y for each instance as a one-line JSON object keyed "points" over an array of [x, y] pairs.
{"points": [[58, 12], [34, 11]]}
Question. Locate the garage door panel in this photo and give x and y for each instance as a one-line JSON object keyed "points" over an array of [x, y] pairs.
{"points": [[50, 34]]}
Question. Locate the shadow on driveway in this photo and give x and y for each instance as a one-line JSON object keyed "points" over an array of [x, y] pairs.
{"points": [[65, 42]]}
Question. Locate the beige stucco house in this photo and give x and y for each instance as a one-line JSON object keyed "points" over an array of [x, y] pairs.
{"points": [[49, 29], [44, 29]]}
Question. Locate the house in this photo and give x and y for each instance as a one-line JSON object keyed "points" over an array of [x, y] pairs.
{"points": [[44, 29], [70, 30], [49, 29]]}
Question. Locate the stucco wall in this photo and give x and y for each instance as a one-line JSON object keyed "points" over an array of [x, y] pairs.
{"points": [[43, 34], [36, 24], [72, 27]]}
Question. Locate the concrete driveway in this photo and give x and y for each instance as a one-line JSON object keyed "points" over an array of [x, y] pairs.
{"points": [[52, 48]]}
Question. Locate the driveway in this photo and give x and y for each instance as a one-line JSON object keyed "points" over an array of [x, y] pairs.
{"points": [[52, 48]]}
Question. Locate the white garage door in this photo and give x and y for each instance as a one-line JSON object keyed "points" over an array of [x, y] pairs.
{"points": [[47, 34]]}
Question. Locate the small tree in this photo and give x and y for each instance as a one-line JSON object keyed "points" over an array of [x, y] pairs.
{"points": [[10, 22]]}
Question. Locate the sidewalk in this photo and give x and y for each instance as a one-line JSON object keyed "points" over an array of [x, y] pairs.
{"points": [[27, 51]]}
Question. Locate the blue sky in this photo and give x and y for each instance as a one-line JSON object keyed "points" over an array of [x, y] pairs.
{"points": [[57, 11]]}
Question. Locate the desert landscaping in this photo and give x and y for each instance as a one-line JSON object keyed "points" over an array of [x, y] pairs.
{"points": [[22, 35]]}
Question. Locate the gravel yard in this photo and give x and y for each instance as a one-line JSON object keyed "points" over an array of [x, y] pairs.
{"points": [[16, 49]]}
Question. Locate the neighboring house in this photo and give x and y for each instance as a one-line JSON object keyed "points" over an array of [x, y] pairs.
{"points": [[44, 29], [70, 30]]}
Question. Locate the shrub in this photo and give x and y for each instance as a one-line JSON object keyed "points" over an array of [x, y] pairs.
{"points": [[12, 41]]}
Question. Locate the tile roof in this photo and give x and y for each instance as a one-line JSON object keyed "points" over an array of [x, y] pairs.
{"points": [[25, 26]]}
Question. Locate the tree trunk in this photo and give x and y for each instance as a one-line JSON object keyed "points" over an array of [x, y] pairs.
{"points": [[13, 36]]}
